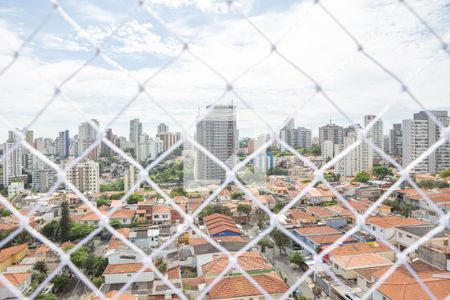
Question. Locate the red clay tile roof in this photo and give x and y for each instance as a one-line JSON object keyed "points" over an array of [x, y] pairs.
{"points": [[319, 211], [317, 230], [123, 296], [174, 273], [124, 268], [16, 278], [248, 261], [161, 209], [239, 286], [327, 239], [400, 285], [223, 228], [393, 221], [358, 261], [359, 248], [10, 251]]}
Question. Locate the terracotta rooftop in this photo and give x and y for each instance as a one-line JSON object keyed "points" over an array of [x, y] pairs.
{"points": [[248, 261], [317, 230], [123, 296], [161, 209], [393, 221], [16, 278], [319, 211], [359, 248], [10, 251], [400, 285], [223, 228], [239, 286], [327, 239], [359, 261], [223, 239], [124, 268]]}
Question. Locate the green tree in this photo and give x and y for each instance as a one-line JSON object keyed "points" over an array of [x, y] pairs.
{"points": [[50, 231], [6, 213], [445, 174], [244, 209], [79, 230], [80, 256], [381, 171], [94, 265], [40, 267], [98, 281], [362, 176], [116, 196], [161, 265], [215, 208], [280, 239], [101, 202], [115, 223], [279, 206], [135, 198], [265, 243], [64, 222], [236, 195], [46, 296], [60, 282], [315, 150], [296, 258]]}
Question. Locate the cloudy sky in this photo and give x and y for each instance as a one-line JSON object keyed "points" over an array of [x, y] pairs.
{"points": [[145, 42]]}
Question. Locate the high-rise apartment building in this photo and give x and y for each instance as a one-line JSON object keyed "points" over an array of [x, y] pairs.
{"points": [[396, 140], [419, 134], [11, 161], [63, 144], [85, 176], [299, 137], [43, 179], [357, 160], [87, 135], [217, 133], [168, 139], [162, 128], [130, 177], [331, 132], [375, 134]]}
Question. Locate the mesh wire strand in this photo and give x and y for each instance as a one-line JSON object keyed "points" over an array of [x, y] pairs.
{"points": [[57, 8]]}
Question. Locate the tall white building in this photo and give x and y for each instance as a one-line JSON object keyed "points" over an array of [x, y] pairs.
{"points": [[87, 135], [85, 176], [149, 149], [136, 132], [419, 134], [375, 134], [217, 133], [357, 160], [168, 139], [12, 161], [327, 150], [43, 179], [130, 177]]}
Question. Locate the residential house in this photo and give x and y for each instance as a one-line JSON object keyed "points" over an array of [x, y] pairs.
{"points": [[161, 214], [347, 265], [385, 226], [19, 280], [408, 235], [12, 255]]}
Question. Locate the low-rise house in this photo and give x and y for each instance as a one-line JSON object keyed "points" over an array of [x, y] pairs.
{"points": [[121, 274], [438, 257], [401, 285], [320, 213], [161, 214], [123, 216], [305, 233], [408, 235], [385, 226], [316, 196], [12, 255], [20, 280], [347, 265], [318, 241], [144, 237], [224, 195], [221, 225], [362, 247]]}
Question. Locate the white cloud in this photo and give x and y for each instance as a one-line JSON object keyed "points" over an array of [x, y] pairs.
{"points": [[273, 88]]}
